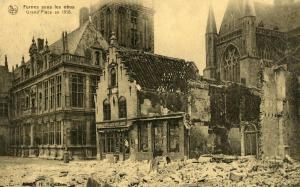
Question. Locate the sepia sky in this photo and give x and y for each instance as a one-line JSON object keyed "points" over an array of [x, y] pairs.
{"points": [[179, 27]]}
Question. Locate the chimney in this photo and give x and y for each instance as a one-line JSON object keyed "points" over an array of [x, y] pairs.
{"points": [[23, 60], [40, 44], [66, 42], [5, 61], [63, 41]]}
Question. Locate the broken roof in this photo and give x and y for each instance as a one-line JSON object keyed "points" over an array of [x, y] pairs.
{"points": [[80, 39], [157, 72]]}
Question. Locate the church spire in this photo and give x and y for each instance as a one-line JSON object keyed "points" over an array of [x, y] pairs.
{"points": [[248, 8], [211, 21]]}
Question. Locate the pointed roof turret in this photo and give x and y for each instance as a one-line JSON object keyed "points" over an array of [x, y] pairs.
{"points": [[248, 8], [211, 21]]}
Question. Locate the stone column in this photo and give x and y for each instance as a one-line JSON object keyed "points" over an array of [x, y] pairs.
{"points": [[150, 141], [243, 153], [88, 132], [66, 98], [32, 135], [63, 90], [98, 144], [67, 133], [165, 136]]}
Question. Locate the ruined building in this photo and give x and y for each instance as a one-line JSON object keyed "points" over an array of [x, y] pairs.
{"points": [[101, 91], [257, 46], [141, 105]]}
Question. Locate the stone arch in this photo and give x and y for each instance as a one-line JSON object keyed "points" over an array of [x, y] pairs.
{"points": [[231, 64]]}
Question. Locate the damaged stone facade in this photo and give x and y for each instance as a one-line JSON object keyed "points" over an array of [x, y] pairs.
{"points": [[255, 47], [141, 114], [279, 112], [223, 116]]}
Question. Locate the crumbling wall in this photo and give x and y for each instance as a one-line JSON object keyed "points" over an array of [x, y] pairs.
{"points": [[280, 134], [152, 103]]}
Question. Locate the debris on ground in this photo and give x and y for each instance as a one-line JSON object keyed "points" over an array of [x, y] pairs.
{"points": [[208, 170]]}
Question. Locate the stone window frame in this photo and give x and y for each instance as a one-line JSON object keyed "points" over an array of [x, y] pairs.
{"points": [[51, 133], [45, 134], [106, 110], [122, 106], [58, 90], [3, 109], [134, 28], [46, 94], [57, 136], [78, 133], [52, 92], [113, 78], [77, 90], [231, 63]]}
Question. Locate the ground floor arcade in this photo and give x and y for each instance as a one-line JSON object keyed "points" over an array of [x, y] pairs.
{"points": [[50, 136]]}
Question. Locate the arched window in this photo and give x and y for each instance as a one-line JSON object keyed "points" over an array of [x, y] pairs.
{"points": [[97, 54], [122, 108], [106, 110], [231, 64], [113, 78]]}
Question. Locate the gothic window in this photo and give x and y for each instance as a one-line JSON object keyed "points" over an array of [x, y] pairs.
{"points": [[121, 25], [134, 31], [97, 54], [58, 91], [231, 64], [78, 133], [93, 133], [45, 134], [58, 133], [3, 110], [102, 25], [113, 78], [52, 93], [51, 133], [106, 110], [78, 84], [122, 108], [46, 95], [146, 33]]}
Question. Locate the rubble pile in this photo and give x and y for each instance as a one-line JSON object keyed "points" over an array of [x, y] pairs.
{"points": [[217, 170]]}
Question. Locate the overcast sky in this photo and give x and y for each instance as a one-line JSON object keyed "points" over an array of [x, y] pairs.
{"points": [[179, 27]]}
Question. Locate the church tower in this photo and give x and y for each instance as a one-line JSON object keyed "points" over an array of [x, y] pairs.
{"points": [[249, 28], [249, 63], [131, 20], [211, 40]]}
